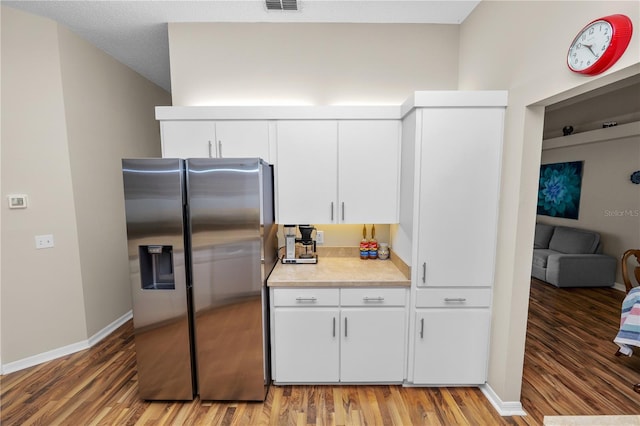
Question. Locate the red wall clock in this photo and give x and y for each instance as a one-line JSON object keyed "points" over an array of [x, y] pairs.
{"points": [[599, 44]]}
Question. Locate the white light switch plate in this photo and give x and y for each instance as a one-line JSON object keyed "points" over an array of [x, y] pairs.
{"points": [[44, 241], [320, 237]]}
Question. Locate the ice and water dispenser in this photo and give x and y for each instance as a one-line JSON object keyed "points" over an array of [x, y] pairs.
{"points": [[156, 267]]}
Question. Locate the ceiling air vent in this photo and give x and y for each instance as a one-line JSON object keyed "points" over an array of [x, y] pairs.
{"points": [[282, 4]]}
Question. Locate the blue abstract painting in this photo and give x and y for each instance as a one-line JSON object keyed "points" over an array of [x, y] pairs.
{"points": [[559, 190]]}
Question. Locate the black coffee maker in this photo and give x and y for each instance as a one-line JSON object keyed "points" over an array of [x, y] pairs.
{"points": [[300, 249]]}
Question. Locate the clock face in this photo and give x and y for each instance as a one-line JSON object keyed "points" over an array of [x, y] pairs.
{"points": [[600, 44], [590, 45]]}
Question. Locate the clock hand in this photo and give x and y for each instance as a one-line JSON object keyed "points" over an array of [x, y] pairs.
{"points": [[588, 46]]}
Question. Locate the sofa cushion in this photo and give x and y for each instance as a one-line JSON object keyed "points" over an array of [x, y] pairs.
{"points": [[574, 241], [540, 257], [542, 236]]}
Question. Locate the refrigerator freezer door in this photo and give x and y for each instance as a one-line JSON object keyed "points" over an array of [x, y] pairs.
{"points": [[224, 197], [154, 212]]}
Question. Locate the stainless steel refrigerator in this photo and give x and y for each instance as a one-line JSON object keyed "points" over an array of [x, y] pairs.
{"points": [[202, 242]]}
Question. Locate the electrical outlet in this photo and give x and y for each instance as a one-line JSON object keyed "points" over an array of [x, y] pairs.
{"points": [[320, 237], [44, 241]]}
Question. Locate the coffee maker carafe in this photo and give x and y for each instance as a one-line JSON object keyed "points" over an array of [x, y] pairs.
{"points": [[299, 249]]}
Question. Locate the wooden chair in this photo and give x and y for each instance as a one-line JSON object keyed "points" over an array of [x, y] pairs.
{"points": [[626, 276]]}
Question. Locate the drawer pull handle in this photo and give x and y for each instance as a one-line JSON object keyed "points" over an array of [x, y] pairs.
{"points": [[455, 299], [424, 272], [373, 299], [306, 299], [422, 328]]}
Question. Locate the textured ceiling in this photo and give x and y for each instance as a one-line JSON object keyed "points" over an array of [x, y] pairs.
{"points": [[135, 32]]}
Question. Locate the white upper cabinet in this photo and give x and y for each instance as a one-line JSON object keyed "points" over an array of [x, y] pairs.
{"points": [[307, 171], [368, 170], [459, 187], [188, 139], [215, 139], [243, 139], [343, 171]]}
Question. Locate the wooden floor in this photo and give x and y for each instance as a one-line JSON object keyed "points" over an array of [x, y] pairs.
{"points": [[569, 369]]}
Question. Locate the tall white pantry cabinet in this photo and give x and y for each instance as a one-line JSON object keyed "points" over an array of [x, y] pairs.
{"points": [[450, 186]]}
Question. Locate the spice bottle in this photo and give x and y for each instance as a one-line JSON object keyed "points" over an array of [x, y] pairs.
{"points": [[364, 244], [373, 244]]}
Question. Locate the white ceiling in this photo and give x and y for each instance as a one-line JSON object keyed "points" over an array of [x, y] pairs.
{"points": [[135, 31]]}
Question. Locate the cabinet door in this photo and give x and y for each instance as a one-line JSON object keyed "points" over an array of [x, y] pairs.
{"points": [[459, 187], [188, 139], [307, 171], [368, 154], [372, 347], [242, 139], [451, 346], [306, 345]]}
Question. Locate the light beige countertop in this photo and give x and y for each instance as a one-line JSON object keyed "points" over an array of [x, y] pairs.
{"points": [[339, 272]]}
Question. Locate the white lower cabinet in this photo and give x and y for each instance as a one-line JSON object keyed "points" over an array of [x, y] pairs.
{"points": [[451, 338], [372, 345], [306, 345], [362, 338]]}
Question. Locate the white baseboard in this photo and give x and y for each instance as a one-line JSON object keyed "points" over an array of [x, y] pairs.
{"points": [[509, 408], [65, 350]]}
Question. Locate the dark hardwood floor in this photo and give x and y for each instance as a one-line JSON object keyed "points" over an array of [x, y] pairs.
{"points": [[569, 369]]}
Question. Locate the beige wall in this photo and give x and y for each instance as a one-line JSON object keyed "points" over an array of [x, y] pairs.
{"points": [[527, 57], [110, 116], [609, 202], [70, 112], [309, 64], [42, 303]]}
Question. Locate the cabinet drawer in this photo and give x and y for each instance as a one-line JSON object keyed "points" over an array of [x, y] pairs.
{"points": [[453, 297], [373, 296], [306, 297]]}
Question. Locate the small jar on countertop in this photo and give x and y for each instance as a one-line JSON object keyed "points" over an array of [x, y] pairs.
{"points": [[383, 251]]}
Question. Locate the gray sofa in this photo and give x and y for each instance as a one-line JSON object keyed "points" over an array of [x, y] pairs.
{"points": [[571, 257]]}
